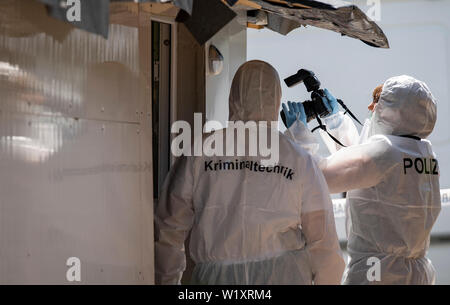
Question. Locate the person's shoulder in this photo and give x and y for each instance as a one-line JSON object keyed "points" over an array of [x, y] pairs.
{"points": [[301, 155], [383, 146], [380, 139], [291, 147]]}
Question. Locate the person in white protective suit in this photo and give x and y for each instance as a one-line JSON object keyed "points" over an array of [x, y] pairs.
{"points": [[248, 224], [392, 178]]}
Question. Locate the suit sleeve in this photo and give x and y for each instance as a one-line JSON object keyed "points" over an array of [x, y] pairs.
{"points": [[174, 217], [359, 166], [299, 134], [319, 229], [342, 128]]}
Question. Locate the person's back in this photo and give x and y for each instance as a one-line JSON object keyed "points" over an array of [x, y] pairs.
{"points": [[248, 219], [251, 222]]}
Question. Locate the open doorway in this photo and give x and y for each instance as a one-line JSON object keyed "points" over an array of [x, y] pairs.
{"points": [[161, 102]]}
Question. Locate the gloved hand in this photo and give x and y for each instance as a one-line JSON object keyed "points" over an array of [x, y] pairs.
{"points": [[332, 102], [296, 112]]}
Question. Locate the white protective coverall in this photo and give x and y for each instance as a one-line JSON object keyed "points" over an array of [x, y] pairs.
{"points": [[393, 183], [251, 224]]}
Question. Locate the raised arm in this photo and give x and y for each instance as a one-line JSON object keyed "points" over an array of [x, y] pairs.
{"points": [[342, 128], [359, 166]]}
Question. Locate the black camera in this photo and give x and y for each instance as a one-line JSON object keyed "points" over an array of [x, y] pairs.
{"points": [[316, 108], [317, 105]]}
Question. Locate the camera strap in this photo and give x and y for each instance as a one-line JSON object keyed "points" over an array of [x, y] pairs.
{"points": [[348, 111], [324, 128]]}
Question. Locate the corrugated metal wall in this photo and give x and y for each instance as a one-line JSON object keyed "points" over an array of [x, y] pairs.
{"points": [[75, 151]]}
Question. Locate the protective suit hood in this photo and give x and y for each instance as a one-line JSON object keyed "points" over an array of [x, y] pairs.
{"points": [[406, 107], [255, 93]]}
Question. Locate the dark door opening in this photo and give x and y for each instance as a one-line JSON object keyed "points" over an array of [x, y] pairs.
{"points": [[161, 84]]}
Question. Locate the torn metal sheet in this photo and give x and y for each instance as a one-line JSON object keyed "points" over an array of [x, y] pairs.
{"points": [[280, 24], [337, 16]]}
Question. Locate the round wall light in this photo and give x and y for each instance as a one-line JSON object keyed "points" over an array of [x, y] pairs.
{"points": [[215, 59]]}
